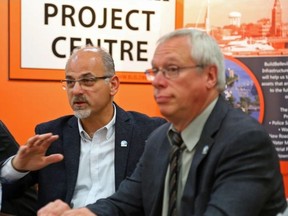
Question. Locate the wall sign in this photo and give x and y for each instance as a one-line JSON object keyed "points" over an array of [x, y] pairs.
{"points": [[42, 34]]}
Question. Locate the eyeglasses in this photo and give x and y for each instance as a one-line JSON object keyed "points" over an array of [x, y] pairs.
{"points": [[169, 72], [84, 82]]}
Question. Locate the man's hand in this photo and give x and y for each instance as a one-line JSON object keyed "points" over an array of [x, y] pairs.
{"points": [[60, 208], [31, 156], [56, 208]]}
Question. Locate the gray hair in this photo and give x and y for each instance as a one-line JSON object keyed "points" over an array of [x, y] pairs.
{"points": [[107, 59], [204, 50]]}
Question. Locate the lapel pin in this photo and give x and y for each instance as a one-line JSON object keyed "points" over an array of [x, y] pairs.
{"points": [[205, 150], [123, 143]]}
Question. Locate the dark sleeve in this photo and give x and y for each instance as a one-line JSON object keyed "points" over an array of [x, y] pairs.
{"points": [[24, 203], [8, 145]]}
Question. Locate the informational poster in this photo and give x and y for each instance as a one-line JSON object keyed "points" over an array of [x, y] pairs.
{"points": [[272, 74], [253, 35]]}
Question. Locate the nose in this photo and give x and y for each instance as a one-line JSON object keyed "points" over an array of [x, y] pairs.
{"points": [[77, 88], [159, 80]]}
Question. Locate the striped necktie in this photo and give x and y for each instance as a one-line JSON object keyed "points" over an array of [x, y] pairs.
{"points": [[177, 147]]}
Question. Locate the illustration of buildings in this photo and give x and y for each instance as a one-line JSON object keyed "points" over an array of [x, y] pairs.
{"points": [[267, 36], [276, 23], [235, 18]]}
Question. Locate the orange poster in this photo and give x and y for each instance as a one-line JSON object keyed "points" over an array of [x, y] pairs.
{"points": [[253, 36]]}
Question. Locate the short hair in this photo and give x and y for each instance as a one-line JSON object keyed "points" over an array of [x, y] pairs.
{"points": [[107, 59], [204, 50]]}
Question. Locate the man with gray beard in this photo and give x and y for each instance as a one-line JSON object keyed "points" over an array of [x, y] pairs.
{"points": [[83, 157]]}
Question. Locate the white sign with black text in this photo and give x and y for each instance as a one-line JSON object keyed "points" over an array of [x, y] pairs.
{"points": [[128, 29]]}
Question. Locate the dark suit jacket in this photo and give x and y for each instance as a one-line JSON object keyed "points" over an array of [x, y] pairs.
{"points": [[23, 204], [235, 171], [58, 180]]}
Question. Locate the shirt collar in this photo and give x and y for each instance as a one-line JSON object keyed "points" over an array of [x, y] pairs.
{"points": [[108, 129], [191, 134]]}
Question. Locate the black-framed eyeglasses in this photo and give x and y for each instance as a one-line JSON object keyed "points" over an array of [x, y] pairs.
{"points": [[170, 72], [83, 82]]}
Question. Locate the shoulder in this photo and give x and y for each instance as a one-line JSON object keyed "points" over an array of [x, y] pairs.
{"points": [[142, 124], [57, 123], [143, 118], [159, 134], [236, 118], [137, 117], [239, 133], [231, 119]]}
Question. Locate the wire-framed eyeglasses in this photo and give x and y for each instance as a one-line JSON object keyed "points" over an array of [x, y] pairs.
{"points": [[170, 72], [83, 82]]}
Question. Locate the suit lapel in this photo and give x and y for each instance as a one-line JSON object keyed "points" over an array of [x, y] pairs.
{"points": [[71, 146], [203, 147], [123, 131]]}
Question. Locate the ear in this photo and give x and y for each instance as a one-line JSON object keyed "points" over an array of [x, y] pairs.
{"points": [[212, 76], [114, 85]]}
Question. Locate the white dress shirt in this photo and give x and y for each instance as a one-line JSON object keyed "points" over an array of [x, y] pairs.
{"points": [[96, 175]]}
